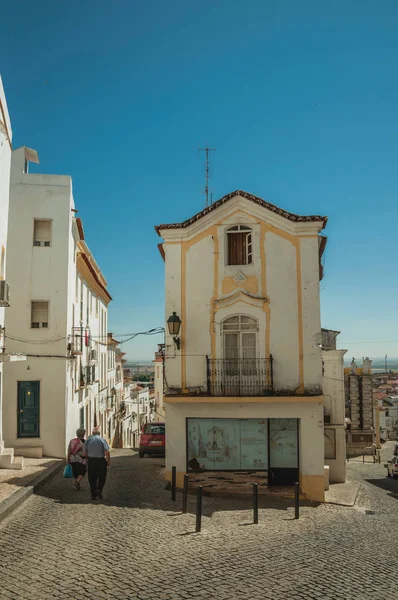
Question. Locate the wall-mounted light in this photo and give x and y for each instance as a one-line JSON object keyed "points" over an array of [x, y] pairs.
{"points": [[174, 324]]}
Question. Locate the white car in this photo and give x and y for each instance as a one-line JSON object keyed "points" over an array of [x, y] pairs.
{"points": [[392, 467]]}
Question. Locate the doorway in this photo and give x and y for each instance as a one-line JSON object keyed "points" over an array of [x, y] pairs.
{"points": [[28, 420]]}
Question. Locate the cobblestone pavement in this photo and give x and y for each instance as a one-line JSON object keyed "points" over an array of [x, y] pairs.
{"points": [[136, 545]]}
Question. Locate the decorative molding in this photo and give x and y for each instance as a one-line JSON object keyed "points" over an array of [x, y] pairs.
{"points": [[241, 295], [240, 277]]}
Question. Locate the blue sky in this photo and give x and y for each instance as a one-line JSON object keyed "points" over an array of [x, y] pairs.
{"points": [[299, 99]]}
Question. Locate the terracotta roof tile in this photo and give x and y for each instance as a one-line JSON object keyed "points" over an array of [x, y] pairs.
{"points": [[259, 201]]}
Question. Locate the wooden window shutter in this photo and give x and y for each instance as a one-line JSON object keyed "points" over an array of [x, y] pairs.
{"points": [[237, 248]]}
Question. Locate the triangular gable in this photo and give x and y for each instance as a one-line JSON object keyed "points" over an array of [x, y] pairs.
{"points": [[259, 201]]}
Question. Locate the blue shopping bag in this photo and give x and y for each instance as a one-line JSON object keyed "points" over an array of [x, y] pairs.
{"points": [[68, 473]]}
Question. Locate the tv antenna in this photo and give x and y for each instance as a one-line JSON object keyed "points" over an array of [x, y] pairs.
{"points": [[207, 150]]}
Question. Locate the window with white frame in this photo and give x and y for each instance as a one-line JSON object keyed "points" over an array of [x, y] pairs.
{"points": [[42, 232], [39, 315], [239, 337], [239, 245]]}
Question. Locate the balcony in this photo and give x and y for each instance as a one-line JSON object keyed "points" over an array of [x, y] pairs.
{"points": [[239, 377]]}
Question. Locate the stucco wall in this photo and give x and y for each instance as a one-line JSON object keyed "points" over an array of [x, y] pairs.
{"points": [[311, 316], [199, 285], [281, 286], [172, 303]]}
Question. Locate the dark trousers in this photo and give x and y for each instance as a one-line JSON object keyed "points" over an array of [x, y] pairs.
{"points": [[97, 468]]}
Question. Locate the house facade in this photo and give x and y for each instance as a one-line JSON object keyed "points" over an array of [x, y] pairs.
{"points": [[243, 376], [7, 460], [58, 316], [89, 340]]}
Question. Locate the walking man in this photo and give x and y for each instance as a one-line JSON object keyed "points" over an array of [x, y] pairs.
{"points": [[97, 452]]}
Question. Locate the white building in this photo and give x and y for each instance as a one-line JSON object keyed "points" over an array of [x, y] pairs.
{"points": [[334, 406], [137, 412], [389, 418], [158, 385], [7, 459], [244, 373], [90, 339], [57, 317], [114, 417]]}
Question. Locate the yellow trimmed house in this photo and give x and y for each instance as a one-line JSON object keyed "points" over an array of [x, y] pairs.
{"points": [[242, 360]]}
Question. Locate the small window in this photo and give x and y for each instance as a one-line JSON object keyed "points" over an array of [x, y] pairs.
{"points": [[39, 315], [42, 232], [239, 245]]}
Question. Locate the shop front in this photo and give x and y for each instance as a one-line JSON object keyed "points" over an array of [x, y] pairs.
{"points": [[269, 445]]}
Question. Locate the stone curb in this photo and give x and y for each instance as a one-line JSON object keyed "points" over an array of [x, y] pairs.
{"points": [[347, 501], [18, 497]]}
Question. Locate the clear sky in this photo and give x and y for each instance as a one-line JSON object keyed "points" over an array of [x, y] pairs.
{"points": [[299, 99]]}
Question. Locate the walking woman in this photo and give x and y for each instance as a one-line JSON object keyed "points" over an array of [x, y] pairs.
{"points": [[77, 457]]}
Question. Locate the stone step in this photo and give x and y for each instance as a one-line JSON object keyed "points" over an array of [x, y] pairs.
{"points": [[17, 464], [29, 451]]}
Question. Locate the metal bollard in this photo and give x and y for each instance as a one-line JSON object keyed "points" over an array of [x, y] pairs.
{"points": [[363, 458], [185, 495], [379, 456], [199, 496], [173, 483], [255, 503], [296, 500]]}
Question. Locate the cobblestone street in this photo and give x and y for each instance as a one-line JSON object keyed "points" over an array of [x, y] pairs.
{"points": [[135, 544]]}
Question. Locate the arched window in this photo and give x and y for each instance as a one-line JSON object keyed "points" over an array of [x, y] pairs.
{"points": [[239, 245], [240, 337]]}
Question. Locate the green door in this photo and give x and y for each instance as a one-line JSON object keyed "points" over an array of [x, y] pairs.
{"points": [[28, 409]]}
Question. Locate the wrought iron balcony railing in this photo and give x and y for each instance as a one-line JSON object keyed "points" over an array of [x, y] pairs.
{"points": [[239, 377]]}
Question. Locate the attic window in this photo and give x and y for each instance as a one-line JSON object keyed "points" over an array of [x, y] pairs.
{"points": [[240, 246]]}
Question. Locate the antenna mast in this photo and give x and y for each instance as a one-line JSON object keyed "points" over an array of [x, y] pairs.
{"points": [[207, 150]]}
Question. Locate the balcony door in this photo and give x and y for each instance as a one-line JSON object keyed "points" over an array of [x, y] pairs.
{"points": [[240, 353]]}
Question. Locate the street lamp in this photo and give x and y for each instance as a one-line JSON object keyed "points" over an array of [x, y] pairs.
{"points": [[174, 324]]}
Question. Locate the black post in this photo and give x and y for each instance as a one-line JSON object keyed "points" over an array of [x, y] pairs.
{"points": [[173, 483], [199, 495], [296, 500], [363, 458], [255, 503], [208, 374], [185, 495], [271, 368], [379, 454]]}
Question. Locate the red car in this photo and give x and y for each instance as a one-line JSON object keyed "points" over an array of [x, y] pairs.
{"points": [[152, 439]]}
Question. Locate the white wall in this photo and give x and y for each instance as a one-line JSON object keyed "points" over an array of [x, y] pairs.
{"points": [[199, 292], [5, 165], [311, 315], [172, 303], [39, 273], [281, 286], [334, 394]]}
